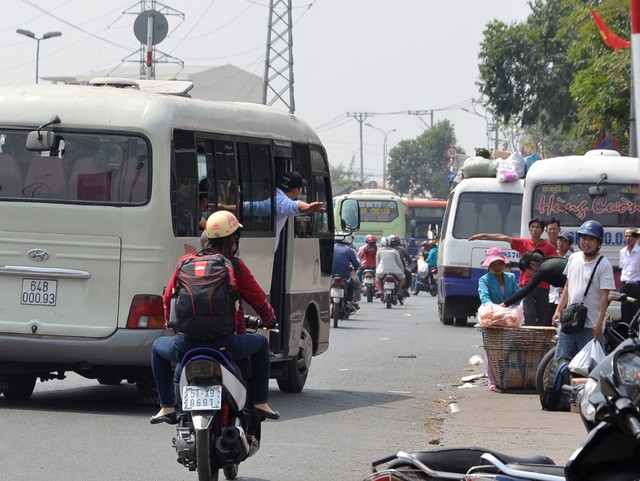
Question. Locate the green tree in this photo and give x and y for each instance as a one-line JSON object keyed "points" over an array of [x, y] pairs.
{"points": [[554, 76], [417, 167]]}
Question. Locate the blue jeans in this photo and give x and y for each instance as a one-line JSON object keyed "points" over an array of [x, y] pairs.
{"points": [[167, 350], [570, 344]]}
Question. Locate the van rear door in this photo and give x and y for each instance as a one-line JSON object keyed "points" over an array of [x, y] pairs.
{"points": [[59, 285]]}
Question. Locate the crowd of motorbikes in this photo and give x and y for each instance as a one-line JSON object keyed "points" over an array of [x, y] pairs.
{"points": [[389, 295]]}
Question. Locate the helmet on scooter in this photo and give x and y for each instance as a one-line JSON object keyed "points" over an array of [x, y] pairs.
{"points": [[370, 239], [393, 240], [384, 242], [591, 228]]}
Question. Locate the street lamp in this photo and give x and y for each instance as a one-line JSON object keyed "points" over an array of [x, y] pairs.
{"points": [[30, 34], [384, 152]]}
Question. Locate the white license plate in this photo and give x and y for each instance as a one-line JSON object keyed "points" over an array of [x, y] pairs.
{"points": [[199, 398], [337, 292], [389, 285], [39, 292], [368, 280]]}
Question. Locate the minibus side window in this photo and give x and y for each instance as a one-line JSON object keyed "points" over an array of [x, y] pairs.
{"points": [[321, 192], [184, 184], [256, 187]]}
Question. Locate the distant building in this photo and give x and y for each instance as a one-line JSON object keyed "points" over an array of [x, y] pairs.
{"points": [[225, 82]]}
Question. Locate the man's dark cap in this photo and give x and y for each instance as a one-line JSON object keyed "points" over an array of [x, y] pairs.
{"points": [[292, 180]]}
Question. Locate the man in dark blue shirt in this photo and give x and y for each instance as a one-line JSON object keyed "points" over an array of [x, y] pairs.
{"points": [[344, 259]]}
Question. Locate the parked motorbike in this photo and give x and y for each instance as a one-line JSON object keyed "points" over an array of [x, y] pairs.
{"points": [[609, 405], [390, 295], [216, 429], [338, 308], [369, 281], [615, 332]]}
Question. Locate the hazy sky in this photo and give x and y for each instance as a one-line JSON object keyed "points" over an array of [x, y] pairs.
{"points": [[380, 56]]}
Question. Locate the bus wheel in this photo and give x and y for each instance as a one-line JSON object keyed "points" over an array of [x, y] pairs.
{"points": [[461, 321], [300, 365], [18, 386], [447, 321], [147, 393]]}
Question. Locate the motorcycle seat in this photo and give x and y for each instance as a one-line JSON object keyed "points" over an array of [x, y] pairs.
{"points": [[553, 470], [461, 459]]}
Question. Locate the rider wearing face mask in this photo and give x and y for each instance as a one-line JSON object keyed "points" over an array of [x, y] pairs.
{"points": [[496, 285]]}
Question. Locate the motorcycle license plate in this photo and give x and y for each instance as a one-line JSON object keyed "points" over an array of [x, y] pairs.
{"points": [[337, 292], [368, 280], [389, 285], [197, 398], [39, 292]]}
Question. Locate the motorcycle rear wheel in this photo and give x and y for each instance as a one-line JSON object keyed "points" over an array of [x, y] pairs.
{"points": [[369, 294], [543, 367], [336, 314], [206, 471]]}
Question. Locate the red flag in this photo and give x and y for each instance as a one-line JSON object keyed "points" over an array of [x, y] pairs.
{"points": [[609, 38]]}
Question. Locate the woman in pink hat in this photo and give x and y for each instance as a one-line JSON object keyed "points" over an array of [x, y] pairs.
{"points": [[496, 285]]}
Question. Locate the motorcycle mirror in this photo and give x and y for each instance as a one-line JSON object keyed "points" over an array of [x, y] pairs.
{"points": [[606, 387]]}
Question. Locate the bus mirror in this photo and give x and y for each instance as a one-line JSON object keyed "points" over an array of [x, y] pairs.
{"points": [[349, 215], [596, 191], [41, 141]]}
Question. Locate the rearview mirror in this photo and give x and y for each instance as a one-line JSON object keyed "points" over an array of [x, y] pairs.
{"points": [[349, 215], [41, 141], [596, 191]]}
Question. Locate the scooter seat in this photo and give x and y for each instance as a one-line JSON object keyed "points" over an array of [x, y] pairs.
{"points": [[461, 459], [553, 470]]}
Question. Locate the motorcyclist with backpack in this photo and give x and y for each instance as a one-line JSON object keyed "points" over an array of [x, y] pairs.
{"points": [[223, 232]]}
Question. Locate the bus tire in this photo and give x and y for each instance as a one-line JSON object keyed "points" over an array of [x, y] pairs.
{"points": [[298, 367], [461, 321], [18, 387], [447, 321]]}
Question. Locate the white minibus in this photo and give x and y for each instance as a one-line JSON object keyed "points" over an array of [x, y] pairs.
{"points": [[94, 221], [600, 185], [477, 204]]}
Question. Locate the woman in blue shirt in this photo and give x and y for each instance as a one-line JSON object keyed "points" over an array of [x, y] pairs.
{"points": [[496, 285]]}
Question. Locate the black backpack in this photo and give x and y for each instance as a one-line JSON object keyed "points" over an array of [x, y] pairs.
{"points": [[206, 296], [558, 374]]}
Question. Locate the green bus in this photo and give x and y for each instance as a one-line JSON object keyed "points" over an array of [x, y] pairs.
{"points": [[382, 213]]}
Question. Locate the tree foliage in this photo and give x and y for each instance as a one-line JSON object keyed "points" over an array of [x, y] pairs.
{"points": [[554, 76], [418, 167]]}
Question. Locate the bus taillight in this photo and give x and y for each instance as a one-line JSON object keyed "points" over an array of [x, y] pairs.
{"points": [[146, 312], [457, 272]]}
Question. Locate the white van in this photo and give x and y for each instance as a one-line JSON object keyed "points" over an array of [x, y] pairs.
{"points": [[600, 185], [479, 204]]}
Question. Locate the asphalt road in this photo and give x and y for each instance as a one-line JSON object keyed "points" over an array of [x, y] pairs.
{"points": [[378, 388]]}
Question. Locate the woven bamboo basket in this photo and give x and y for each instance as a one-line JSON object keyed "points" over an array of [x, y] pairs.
{"points": [[514, 354]]}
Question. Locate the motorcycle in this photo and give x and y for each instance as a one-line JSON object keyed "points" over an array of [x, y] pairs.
{"points": [[615, 332], [390, 294], [369, 281], [609, 406], [216, 427], [338, 308], [428, 283]]}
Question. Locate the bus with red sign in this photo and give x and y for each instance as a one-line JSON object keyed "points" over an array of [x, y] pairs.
{"points": [[600, 185], [425, 217]]}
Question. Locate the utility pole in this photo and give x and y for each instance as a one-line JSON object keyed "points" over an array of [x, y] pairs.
{"points": [[420, 113], [361, 117], [278, 68]]}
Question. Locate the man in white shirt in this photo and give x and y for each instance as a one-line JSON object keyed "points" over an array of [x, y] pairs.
{"points": [[630, 272], [578, 271]]}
